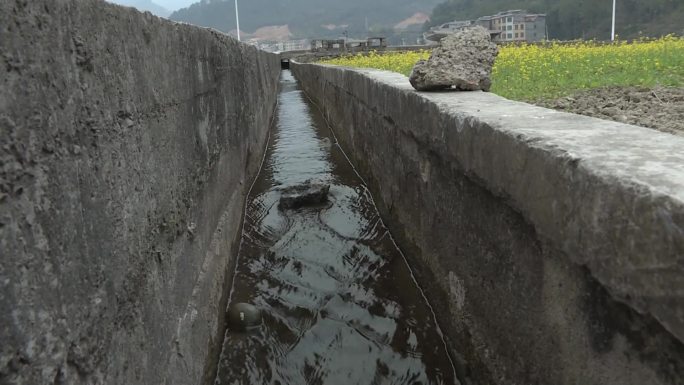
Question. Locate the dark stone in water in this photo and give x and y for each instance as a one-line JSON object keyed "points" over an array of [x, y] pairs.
{"points": [[306, 194], [242, 316]]}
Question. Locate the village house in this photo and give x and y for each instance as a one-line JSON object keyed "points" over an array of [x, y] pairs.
{"points": [[508, 26]]}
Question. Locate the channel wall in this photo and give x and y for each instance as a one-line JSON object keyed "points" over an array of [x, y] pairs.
{"points": [[127, 145], [551, 245]]}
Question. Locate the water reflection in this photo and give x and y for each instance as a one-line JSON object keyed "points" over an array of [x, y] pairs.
{"points": [[339, 303]]}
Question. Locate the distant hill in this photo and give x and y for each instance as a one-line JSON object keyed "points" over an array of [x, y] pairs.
{"points": [[306, 18], [571, 19], [144, 5]]}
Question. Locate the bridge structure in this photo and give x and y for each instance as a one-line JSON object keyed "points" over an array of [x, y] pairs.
{"points": [[313, 55]]}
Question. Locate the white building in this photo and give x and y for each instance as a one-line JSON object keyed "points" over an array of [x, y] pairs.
{"points": [[282, 46], [508, 26], [515, 25]]}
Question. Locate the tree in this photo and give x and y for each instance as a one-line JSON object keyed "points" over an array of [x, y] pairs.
{"points": [[572, 19]]}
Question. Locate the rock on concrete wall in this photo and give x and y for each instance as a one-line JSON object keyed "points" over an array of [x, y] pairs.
{"points": [[551, 245], [127, 145]]}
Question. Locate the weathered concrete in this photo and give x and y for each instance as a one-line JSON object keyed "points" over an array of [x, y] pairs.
{"points": [[127, 145], [551, 244], [463, 61]]}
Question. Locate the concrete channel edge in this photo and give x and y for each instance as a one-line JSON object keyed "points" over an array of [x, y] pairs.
{"points": [[128, 145], [552, 243]]}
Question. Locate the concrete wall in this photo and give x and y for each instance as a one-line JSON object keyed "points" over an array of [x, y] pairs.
{"points": [[127, 145], [551, 245]]}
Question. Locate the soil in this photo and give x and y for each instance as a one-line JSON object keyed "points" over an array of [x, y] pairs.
{"points": [[660, 108]]}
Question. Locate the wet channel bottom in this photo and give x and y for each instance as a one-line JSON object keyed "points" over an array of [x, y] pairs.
{"points": [[339, 303]]}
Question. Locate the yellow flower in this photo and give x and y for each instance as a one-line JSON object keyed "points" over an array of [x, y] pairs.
{"points": [[531, 71]]}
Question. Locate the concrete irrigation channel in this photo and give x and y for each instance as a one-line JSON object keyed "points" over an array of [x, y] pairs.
{"points": [[457, 238], [340, 304]]}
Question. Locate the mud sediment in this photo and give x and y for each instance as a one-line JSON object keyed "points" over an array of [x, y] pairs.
{"points": [[660, 108]]}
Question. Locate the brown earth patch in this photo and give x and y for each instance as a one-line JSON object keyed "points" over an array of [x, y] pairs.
{"points": [[273, 33], [416, 18], [660, 108]]}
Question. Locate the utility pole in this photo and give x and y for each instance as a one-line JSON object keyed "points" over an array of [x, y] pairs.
{"points": [[346, 37], [612, 31], [237, 20]]}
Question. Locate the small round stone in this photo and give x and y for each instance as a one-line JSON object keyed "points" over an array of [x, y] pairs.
{"points": [[242, 316]]}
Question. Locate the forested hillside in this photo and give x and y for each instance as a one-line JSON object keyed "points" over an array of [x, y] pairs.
{"points": [[570, 19], [144, 5], [306, 18]]}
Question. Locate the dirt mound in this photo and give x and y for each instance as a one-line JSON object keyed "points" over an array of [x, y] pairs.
{"points": [[417, 18], [661, 108], [273, 32]]}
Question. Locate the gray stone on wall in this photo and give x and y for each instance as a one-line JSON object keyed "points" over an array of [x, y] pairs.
{"points": [[127, 145], [463, 62]]}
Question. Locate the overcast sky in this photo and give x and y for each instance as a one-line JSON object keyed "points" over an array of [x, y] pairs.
{"points": [[173, 5]]}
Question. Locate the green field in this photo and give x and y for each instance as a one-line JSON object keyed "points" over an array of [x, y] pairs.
{"points": [[533, 71]]}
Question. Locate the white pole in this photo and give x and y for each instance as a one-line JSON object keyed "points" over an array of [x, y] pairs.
{"points": [[612, 31], [237, 20]]}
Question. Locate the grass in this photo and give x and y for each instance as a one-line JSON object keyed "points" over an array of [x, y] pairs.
{"points": [[532, 71], [401, 62]]}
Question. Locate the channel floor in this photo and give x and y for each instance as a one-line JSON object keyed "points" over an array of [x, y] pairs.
{"points": [[339, 302]]}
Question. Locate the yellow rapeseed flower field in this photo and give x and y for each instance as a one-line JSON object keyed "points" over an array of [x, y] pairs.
{"points": [[534, 71], [401, 62]]}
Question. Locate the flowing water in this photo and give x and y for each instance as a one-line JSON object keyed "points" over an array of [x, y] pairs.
{"points": [[339, 303]]}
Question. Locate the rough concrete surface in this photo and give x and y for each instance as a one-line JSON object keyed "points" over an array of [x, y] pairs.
{"points": [[127, 145], [463, 61], [551, 244]]}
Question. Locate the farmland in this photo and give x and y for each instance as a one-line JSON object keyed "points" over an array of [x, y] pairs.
{"points": [[546, 73], [533, 71]]}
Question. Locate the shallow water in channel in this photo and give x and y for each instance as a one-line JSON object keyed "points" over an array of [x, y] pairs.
{"points": [[339, 303]]}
